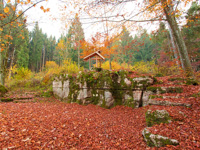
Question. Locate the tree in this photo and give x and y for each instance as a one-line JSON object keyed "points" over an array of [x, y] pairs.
{"points": [[76, 35], [191, 32], [125, 47], [36, 46], [167, 7], [160, 10], [10, 17], [143, 47], [62, 48]]}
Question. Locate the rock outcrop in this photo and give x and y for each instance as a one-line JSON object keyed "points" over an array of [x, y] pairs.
{"points": [[154, 140], [106, 89], [157, 117]]}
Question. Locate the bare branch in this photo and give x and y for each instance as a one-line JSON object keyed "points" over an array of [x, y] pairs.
{"points": [[21, 13]]}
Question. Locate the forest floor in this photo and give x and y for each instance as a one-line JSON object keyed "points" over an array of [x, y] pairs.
{"points": [[33, 122]]}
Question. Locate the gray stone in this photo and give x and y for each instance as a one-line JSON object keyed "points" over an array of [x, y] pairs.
{"points": [[109, 99], [154, 140], [167, 103], [57, 84], [136, 97], [149, 81], [128, 82], [145, 97]]}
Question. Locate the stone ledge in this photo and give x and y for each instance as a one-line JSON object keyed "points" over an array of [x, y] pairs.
{"points": [[154, 140], [167, 103]]}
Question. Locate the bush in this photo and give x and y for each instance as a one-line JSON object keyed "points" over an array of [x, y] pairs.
{"points": [[51, 64], [115, 66], [145, 67], [23, 73]]}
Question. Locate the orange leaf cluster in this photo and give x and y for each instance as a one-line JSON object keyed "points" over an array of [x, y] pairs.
{"points": [[45, 10]]}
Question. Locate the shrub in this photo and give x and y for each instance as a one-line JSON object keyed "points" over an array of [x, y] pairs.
{"points": [[145, 67], [23, 73], [116, 66], [51, 64]]}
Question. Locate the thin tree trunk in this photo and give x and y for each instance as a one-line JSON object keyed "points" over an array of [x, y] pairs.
{"points": [[1, 69], [78, 56], [180, 56], [43, 57], [179, 39], [110, 63], [173, 45], [1, 54], [11, 64]]}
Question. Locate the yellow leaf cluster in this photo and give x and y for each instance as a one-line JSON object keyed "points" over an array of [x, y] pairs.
{"points": [[116, 66], [51, 64]]}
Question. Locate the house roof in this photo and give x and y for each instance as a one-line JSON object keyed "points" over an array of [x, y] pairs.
{"points": [[97, 53]]}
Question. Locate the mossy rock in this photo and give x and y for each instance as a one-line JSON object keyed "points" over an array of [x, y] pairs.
{"points": [[176, 79], [157, 117], [155, 89], [3, 90], [163, 90], [174, 90], [155, 96], [6, 100], [130, 103], [154, 140], [191, 82], [196, 95]]}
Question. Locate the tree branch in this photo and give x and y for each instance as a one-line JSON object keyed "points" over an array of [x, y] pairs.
{"points": [[21, 14]]}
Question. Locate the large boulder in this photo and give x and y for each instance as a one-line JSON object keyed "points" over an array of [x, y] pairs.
{"points": [[154, 140], [143, 81], [157, 117]]}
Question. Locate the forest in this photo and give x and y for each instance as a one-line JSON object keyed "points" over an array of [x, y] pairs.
{"points": [[30, 61], [30, 52]]}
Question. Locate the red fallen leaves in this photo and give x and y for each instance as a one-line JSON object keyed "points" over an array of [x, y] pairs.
{"points": [[57, 125], [61, 125]]}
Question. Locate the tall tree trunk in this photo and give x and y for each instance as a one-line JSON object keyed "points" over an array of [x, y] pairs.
{"points": [[173, 46], [110, 63], [1, 69], [11, 64], [1, 54], [43, 58], [179, 39], [78, 56]]}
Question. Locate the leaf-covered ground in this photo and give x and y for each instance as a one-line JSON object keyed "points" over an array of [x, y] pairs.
{"points": [[47, 123]]}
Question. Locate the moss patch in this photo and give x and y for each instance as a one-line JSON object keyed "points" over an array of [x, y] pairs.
{"points": [[191, 82], [155, 96], [176, 79], [155, 89], [6, 100], [174, 90], [156, 117], [3, 90]]}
